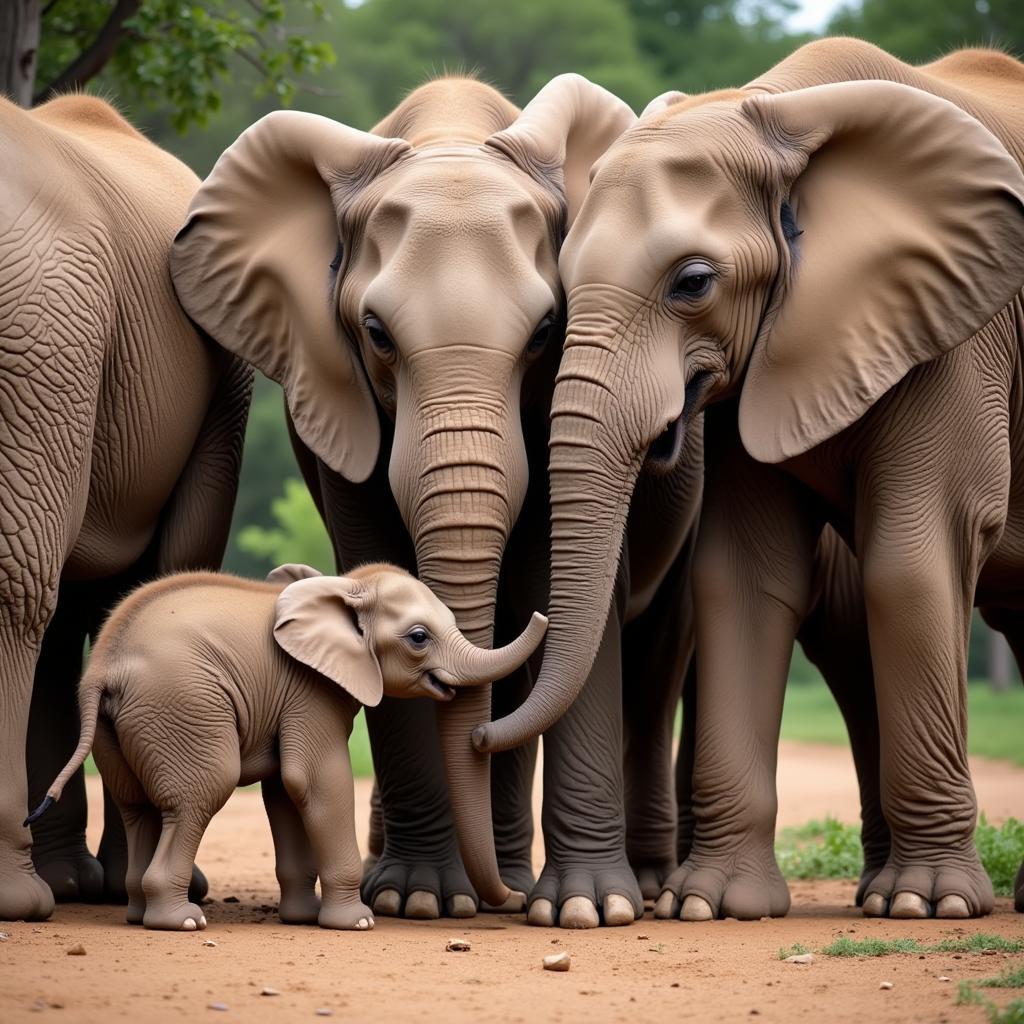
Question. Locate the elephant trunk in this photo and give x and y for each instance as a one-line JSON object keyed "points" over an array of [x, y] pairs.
{"points": [[459, 486], [470, 665], [594, 464]]}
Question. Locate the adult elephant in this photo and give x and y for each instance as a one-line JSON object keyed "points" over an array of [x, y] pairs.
{"points": [[402, 285], [835, 273], [122, 436]]}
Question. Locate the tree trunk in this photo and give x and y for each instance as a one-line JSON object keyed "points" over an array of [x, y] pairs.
{"points": [[1000, 664], [19, 43]]}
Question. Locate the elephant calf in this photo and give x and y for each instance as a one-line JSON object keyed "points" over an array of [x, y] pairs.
{"points": [[200, 682]]}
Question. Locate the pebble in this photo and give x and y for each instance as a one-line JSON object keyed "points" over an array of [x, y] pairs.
{"points": [[800, 958], [942, 977], [324, 1011], [268, 991], [457, 946], [222, 1007], [78, 950], [557, 962], [230, 899], [4, 936], [885, 984], [209, 942]]}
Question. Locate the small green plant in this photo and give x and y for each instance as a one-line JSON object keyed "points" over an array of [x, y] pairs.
{"points": [[1012, 1013], [820, 849], [980, 943], [1001, 850], [797, 949], [1013, 977]]}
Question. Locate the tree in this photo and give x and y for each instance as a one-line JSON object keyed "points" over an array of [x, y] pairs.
{"points": [[161, 52]]}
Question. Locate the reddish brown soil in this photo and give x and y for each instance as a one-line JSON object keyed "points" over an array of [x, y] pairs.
{"points": [[722, 971]]}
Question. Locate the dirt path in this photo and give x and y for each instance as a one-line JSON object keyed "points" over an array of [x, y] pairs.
{"points": [[722, 971]]}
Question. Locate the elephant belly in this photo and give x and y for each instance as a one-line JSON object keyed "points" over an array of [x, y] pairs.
{"points": [[147, 425]]}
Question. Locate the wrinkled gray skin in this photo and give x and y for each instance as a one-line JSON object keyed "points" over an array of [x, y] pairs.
{"points": [[120, 446]]}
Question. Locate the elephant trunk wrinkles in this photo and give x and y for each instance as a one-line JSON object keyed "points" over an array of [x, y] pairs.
{"points": [[460, 511], [593, 469]]}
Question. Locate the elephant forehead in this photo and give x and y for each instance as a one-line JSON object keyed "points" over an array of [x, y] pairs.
{"points": [[404, 602]]}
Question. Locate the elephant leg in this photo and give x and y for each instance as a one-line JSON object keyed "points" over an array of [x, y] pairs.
{"points": [[419, 874], [834, 637], [58, 838], [295, 862], [587, 879], [165, 882], [1010, 623], [919, 567], [656, 649], [317, 778], [752, 570], [375, 840]]}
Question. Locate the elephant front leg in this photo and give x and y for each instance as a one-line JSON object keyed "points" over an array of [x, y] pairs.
{"points": [[657, 648], [587, 878], [419, 873], [751, 586], [918, 619]]}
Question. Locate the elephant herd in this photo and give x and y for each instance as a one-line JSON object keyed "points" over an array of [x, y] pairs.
{"points": [[742, 371]]}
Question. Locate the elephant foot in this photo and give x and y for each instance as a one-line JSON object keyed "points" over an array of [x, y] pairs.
{"points": [[651, 875], [114, 864], [24, 896], [867, 876], [951, 889], [299, 907], [350, 915], [74, 876], [174, 916], [1018, 890], [703, 888], [400, 888], [576, 896]]}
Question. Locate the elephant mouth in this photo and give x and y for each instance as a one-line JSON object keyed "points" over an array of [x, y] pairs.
{"points": [[664, 451], [437, 689]]}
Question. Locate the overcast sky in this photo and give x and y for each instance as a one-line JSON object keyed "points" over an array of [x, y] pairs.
{"points": [[812, 15]]}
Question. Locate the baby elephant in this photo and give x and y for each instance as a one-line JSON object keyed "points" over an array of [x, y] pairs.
{"points": [[201, 682]]}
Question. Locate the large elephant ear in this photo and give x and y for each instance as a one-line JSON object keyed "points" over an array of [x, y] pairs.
{"points": [[561, 132], [254, 266], [317, 622], [912, 215]]}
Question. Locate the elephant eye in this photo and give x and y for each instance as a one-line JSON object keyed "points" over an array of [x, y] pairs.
{"points": [[692, 282], [418, 637], [379, 337], [541, 336]]}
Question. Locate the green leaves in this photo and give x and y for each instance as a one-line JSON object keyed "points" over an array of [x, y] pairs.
{"points": [[179, 55]]}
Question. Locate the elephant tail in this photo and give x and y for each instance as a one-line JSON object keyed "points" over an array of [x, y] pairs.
{"points": [[90, 692]]}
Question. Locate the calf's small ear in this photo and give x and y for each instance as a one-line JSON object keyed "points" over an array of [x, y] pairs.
{"points": [[292, 571], [316, 621]]}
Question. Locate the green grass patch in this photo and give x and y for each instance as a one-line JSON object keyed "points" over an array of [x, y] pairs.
{"points": [[980, 943], [994, 729], [1012, 977], [1002, 851], [797, 949], [1012, 1013]]}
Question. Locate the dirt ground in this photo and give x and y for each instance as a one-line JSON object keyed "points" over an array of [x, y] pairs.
{"points": [[720, 971]]}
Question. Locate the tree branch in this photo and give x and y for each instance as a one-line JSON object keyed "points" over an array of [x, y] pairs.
{"points": [[92, 59]]}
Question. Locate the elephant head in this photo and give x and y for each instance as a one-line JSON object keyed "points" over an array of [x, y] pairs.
{"points": [[380, 631], [801, 251], [412, 269]]}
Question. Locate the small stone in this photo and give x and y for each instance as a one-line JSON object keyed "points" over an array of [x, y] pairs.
{"points": [[800, 958], [209, 942], [943, 977], [457, 946], [557, 962], [642, 937], [268, 991], [755, 1013], [885, 984], [675, 984], [230, 899], [220, 1007], [78, 950], [324, 1011], [4, 936]]}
